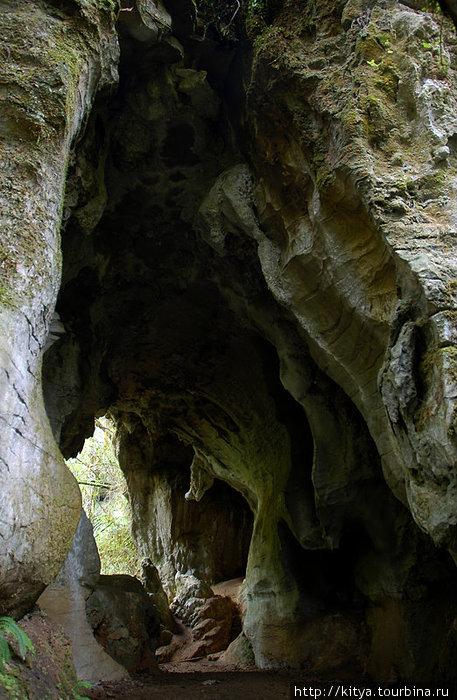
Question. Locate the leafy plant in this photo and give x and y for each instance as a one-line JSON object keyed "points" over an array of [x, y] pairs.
{"points": [[431, 6], [79, 686], [447, 19], [217, 17], [105, 500], [118, 553], [107, 4], [10, 626], [256, 6]]}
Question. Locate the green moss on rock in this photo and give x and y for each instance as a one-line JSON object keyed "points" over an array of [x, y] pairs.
{"points": [[13, 685]]}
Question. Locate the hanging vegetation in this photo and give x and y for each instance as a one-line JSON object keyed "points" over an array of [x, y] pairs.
{"points": [[105, 500]]}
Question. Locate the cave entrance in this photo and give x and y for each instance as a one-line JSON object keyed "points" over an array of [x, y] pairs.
{"points": [[200, 552], [191, 292], [193, 532], [205, 530], [193, 539]]}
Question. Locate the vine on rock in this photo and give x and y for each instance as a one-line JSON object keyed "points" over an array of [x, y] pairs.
{"points": [[219, 17]]}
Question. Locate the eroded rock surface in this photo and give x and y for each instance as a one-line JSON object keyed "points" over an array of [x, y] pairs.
{"points": [[258, 284], [64, 602], [208, 622], [346, 257], [48, 85], [125, 622], [212, 618], [210, 537]]}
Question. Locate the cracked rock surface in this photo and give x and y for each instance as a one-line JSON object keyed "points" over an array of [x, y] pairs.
{"points": [[48, 85]]}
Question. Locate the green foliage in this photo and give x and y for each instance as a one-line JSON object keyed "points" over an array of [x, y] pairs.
{"points": [[118, 553], [256, 6], [446, 27], [80, 685], [257, 16], [218, 18], [75, 691], [8, 626], [431, 6], [13, 686], [105, 500], [107, 4]]}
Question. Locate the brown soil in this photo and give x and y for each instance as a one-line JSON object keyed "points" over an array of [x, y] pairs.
{"points": [[200, 685], [48, 673], [212, 678]]}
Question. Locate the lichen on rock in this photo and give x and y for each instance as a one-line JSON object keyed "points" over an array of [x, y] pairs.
{"points": [[48, 88]]}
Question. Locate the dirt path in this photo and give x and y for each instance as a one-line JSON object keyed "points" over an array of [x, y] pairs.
{"points": [[228, 685], [211, 678]]}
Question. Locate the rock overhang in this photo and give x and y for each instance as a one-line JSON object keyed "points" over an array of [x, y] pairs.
{"points": [[248, 292]]}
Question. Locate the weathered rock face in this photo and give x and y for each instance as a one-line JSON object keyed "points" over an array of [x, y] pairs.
{"points": [[153, 587], [125, 621], [214, 620], [48, 85], [64, 602], [370, 160], [258, 283], [210, 537]]}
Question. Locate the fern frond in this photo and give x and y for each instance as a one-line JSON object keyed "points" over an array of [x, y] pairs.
{"points": [[5, 653], [7, 624]]}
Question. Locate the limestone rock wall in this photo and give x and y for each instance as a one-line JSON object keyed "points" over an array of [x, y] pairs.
{"points": [[355, 175], [259, 296], [258, 279], [64, 602], [210, 538], [48, 85]]}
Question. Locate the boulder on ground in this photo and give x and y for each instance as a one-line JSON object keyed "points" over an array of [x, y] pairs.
{"points": [[214, 619], [239, 653], [125, 621], [64, 601], [214, 623]]}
